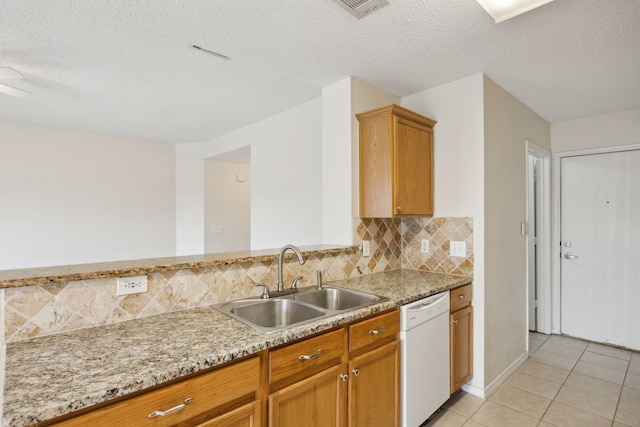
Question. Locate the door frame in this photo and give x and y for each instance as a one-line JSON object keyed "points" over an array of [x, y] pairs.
{"points": [[556, 302], [543, 218]]}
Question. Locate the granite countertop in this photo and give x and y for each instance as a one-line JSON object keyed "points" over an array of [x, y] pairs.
{"points": [[55, 375], [67, 273]]}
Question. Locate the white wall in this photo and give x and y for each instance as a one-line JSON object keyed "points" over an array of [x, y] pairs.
{"points": [[607, 130], [69, 196], [189, 199], [459, 177], [286, 171], [508, 124], [227, 206], [336, 163]]}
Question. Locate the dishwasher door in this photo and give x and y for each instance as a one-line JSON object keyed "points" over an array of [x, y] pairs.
{"points": [[424, 339]]}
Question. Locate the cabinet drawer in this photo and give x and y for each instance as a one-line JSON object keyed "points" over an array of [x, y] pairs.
{"points": [[306, 357], [461, 297], [377, 329], [206, 392]]}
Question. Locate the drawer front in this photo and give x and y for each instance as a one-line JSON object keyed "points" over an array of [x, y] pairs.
{"points": [[461, 297], [306, 357], [188, 399], [377, 329]]}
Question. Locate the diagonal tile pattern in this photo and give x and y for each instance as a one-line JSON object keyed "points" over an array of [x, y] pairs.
{"points": [[566, 382], [43, 310]]}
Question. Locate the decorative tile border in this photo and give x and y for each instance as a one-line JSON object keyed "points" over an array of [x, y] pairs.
{"points": [[34, 311]]}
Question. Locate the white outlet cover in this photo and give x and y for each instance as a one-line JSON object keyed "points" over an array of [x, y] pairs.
{"points": [[424, 246], [366, 248], [457, 249], [131, 285]]}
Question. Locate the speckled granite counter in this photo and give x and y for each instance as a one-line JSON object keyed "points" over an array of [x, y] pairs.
{"points": [[51, 376], [67, 273]]}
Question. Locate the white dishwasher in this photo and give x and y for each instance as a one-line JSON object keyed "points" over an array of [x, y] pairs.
{"points": [[424, 336]]}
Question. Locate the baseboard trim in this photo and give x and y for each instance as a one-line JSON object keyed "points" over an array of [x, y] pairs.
{"points": [[497, 382]]}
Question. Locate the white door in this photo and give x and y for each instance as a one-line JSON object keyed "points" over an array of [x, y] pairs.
{"points": [[600, 226]]}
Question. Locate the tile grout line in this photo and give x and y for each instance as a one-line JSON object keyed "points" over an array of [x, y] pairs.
{"points": [[624, 380]]}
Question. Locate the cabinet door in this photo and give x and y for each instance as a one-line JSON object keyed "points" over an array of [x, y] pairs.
{"points": [[244, 416], [413, 168], [374, 388], [318, 401], [461, 347]]}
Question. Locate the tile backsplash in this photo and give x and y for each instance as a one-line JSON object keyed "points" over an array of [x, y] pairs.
{"points": [[42, 310]]}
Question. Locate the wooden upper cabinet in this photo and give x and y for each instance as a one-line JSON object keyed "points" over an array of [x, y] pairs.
{"points": [[396, 163]]}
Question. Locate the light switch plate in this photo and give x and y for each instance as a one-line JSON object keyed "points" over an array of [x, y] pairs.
{"points": [[457, 249], [424, 246]]}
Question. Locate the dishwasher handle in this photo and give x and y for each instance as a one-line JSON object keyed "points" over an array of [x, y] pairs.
{"points": [[427, 305]]}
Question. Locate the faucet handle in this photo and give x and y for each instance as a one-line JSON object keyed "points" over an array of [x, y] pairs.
{"points": [[318, 279], [294, 284], [265, 291]]}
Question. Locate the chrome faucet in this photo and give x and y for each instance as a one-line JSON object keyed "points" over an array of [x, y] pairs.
{"points": [[280, 268]]}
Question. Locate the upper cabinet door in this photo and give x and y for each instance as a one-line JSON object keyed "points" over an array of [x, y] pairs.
{"points": [[413, 168], [396, 163]]}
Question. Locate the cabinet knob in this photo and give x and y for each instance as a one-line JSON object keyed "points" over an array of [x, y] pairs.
{"points": [[398, 208], [356, 372], [344, 377], [455, 322]]}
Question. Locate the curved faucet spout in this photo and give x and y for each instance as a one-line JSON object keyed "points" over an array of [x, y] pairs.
{"points": [[280, 268]]}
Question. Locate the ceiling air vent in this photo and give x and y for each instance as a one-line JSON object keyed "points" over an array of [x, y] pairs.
{"points": [[360, 8]]}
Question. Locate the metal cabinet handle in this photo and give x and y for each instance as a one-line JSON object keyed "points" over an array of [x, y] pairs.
{"points": [[462, 296], [310, 356], [399, 208], [356, 372], [377, 331], [170, 411], [344, 377], [455, 322], [569, 255]]}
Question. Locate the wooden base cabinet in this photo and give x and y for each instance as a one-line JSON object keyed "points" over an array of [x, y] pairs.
{"points": [[358, 386], [244, 416], [346, 377], [317, 401], [461, 337], [374, 371], [373, 387]]}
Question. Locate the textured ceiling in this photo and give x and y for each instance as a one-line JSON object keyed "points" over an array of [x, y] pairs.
{"points": [[127, 67]]}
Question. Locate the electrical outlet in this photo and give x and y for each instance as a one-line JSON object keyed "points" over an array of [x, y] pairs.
{"points": [[424, 246], [457, 249], [132, 285], [366, 248]]}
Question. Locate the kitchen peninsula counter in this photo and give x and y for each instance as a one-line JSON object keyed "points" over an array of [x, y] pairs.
{"points": [[55, 375], [66, 273]]}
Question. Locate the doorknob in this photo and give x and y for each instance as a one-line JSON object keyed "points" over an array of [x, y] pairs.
{"points": [[570, 256]]}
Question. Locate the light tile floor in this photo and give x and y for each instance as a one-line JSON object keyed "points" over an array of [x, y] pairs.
{"points": [[565, 382]]}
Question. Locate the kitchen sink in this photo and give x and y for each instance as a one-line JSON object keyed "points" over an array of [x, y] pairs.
{"points": [[337, 299], [268, 315], [280, 312]]}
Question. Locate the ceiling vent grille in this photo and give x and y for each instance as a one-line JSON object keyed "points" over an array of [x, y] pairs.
{"points": [[360, 8]]}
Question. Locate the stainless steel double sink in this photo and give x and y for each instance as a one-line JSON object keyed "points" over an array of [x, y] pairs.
{"points": [[280, 312]]}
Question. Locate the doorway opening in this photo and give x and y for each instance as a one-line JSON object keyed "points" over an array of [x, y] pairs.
{"points": [[228, 201], [538, 234]]}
